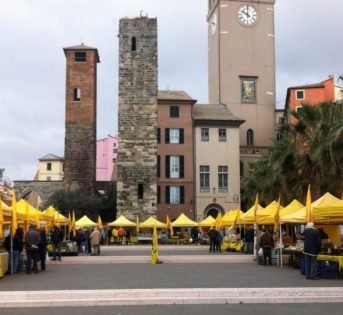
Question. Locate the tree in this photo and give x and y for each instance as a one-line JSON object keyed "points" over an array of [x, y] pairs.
{"points": [[84, 203], [310, 152]]}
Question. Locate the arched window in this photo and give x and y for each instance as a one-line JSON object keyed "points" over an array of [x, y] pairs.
{"points": [[77, 94], [250, 137], [133, 43]]}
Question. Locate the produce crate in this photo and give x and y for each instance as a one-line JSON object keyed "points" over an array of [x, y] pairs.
{"points": [[329, 270]]}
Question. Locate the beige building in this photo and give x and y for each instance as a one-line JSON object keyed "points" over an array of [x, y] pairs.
{"points": [[50, 168], [216, 160], [242, 69]]}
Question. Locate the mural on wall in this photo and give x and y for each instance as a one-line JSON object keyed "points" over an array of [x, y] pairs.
{"points": [[248, 90]]}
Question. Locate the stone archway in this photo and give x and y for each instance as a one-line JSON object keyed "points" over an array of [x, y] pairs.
{"points": [[213, 209], [42, 188]]}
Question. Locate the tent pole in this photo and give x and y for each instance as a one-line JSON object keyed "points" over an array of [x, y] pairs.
{"points": [[280, 245]]}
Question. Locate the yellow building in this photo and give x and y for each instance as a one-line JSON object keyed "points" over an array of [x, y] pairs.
{"points": [[50, 168]]}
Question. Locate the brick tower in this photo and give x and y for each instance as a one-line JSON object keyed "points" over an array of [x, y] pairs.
{"points": [[80, 117], [137, 130]]}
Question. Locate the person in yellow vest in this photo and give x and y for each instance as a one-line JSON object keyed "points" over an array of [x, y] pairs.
{"points": [[115, 235]]}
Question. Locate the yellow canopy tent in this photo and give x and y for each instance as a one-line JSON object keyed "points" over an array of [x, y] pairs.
{"points": [[209, 221], [85, 222], [7, 212], [122, 221], [329, 214], [34, 213], [151, 222], [249, 216], [300, 215], [267, 212], [294, 206], [53, 215], [230, 217], [183, 221]]}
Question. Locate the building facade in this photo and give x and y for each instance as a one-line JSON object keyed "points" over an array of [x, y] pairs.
{"points": [[216, 154], [241, 74], [175, 190], [50, 168], [311, 94], [80, 117], [106, 157], [137, 118]]}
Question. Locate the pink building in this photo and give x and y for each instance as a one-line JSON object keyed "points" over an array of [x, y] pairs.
{"points": [[106, 156]]}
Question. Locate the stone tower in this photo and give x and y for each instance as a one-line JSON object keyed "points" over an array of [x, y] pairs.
{"points": [[242, 69], [137, 121], [80, 117]]}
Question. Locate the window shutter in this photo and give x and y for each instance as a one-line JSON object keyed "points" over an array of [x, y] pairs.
{"points": [[167, 194], [182, 194], [166, 135], [167, 166], [158, 166], [181, 133], [158, 194], [182, 167]]}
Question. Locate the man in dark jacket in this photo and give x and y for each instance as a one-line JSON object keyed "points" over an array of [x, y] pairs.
{"points": [[42, 248], [212, 234], [56, 239], [267, 243], [32, 242], [312, 245]]}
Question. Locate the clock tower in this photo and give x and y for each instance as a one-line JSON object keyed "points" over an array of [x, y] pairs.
{"points": [[242, 69]]}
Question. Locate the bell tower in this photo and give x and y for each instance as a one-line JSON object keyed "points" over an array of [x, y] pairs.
{"points": [[242, 69], [80, 117]]}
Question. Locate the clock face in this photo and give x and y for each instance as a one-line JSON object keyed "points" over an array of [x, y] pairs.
{"points": [[214, 23], [247, 15]]}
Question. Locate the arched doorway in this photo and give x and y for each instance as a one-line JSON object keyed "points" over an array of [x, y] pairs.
{"points": [[213, 210]]}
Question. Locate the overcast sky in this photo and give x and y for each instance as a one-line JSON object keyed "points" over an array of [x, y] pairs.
{"points": [[309, 46]]}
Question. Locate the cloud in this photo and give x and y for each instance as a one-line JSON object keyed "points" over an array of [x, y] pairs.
{"points": [[32, 71]]}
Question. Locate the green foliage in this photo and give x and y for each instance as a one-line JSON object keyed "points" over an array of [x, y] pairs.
{"points": [[309, 152], [84, 203]]}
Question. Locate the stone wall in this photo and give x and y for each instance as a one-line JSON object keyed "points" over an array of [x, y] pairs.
{"points": [[137, 121]]}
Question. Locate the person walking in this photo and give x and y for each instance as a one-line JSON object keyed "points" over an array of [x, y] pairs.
{"points": [[128, 236], [212, 234], [56, 239], [42, 248], [95, 239], [312, 246], [195, 235], [121, 234], [267, 243], [249, 240], [32, 242], [15, 251], [219, 240]]}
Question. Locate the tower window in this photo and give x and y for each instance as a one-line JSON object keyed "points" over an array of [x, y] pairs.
{"points": [[133, 44], [140, 191], [174, 111], [77, 94], [80, 56], [48, 166], [250, 137]]}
